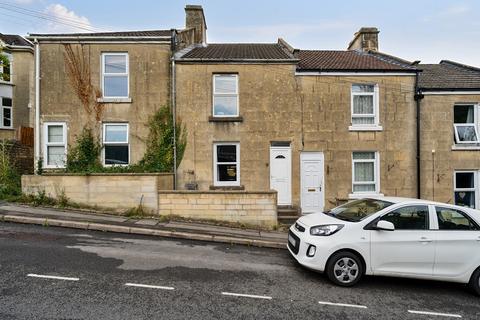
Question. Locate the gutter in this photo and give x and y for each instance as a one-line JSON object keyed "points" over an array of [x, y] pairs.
{"points": [[37, 106], [418, 97], [98, 38]]}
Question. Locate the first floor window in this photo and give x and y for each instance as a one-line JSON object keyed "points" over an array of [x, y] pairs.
{"points": [[115, 144], [226, 164], [364, 105], [5, 67], [365, 176], [465, 188], [115, 75], [465, 123], [6, 113], [55, 144], [225, 95]]}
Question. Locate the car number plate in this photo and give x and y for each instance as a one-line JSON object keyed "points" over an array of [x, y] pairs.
{"points": [[291, 240]]}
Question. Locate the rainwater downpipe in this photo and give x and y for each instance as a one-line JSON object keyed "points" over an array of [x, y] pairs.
{"points": [[174, 115], [37, 105], [418, 97]]}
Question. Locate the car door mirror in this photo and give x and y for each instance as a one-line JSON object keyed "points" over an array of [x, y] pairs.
{"points": [[385, 225]]}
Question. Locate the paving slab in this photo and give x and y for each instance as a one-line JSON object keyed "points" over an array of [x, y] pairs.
{"points": [[147, 222]]}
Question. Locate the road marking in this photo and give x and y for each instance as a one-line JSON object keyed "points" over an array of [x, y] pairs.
{"points": [[342, 304], [139, 285], [246, 295], [435, 314], [51, 277]]}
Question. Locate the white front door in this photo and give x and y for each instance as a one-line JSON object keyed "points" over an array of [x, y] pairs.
{"points": [[281, 174], [311, 168]]}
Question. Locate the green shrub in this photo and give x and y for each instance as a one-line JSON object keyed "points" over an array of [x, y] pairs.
{"points": [[84, 157], [10, 184]]}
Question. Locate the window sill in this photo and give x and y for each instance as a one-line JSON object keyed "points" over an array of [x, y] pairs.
{"points": [[364, 195], [365, 128], [466, 147], [225, 119], [8, 83], [114, 100], [10, 129], [227, 188]]}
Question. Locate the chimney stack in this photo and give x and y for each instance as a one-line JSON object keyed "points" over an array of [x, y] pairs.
{"points": [[365, 39], [195, 19]]}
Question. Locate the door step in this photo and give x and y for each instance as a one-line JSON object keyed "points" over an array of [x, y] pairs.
{"points": [[287, 214]]}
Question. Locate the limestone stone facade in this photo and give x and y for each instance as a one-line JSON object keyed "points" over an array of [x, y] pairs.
{"points": [[149, 89], [312, 113]]}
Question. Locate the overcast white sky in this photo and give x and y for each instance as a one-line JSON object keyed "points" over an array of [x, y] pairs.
{"points": [[427, 30]]}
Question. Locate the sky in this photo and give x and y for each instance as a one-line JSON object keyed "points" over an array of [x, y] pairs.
{"points": [[426, 30]]}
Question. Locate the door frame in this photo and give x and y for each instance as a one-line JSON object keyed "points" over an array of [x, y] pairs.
{"points": [[289, 149], [312, 155]]}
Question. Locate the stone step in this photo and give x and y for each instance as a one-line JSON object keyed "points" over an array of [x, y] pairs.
{"points": [[287, 220]]}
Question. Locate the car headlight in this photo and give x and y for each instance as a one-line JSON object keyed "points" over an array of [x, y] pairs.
{"points": [[325, 230]]}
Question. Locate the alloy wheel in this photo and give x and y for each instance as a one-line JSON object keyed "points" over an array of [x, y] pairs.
{"points": [[346, 270]]}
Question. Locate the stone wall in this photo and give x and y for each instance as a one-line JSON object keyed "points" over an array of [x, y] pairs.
{"points": [[21, 156], [118, 192], [254, 208]]}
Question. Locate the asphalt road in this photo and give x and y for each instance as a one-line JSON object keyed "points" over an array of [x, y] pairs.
{"points": [[192, 280]]}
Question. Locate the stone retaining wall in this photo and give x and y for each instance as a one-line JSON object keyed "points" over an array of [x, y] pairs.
{"points": [[254, 208], [118, 192]]}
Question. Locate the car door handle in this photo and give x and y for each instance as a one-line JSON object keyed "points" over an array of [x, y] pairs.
{"points": [[425, 240]]}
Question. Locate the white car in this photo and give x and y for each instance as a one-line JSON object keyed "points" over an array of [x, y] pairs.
{"points": [[390, 236]]}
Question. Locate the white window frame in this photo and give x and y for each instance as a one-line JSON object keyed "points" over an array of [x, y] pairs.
{"points": [[475, 188], [376, 175], [215, 163], [215, 94], [376, 109], [127, 59], [10, 60], [120, 143], [2, 108], [475, 123], [47, 144]]}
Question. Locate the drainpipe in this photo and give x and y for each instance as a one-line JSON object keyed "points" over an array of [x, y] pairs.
{"points": [[418, 97], [174, 113], [37, 105]]}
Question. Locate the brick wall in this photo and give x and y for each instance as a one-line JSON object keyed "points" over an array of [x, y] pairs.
{"points": [[21, 156], [118, 192], [254, 208]]}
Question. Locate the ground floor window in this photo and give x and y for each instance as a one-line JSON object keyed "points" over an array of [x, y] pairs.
{"points": [[115, 144], [465, 188], [55, 144], [226, 166], [365, 177]]}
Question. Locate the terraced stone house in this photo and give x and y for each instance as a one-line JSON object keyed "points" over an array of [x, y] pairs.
{"points": [[449, 107], [318, 126]]}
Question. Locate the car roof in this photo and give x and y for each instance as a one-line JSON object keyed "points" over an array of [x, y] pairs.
{"points": [[409, 200]]}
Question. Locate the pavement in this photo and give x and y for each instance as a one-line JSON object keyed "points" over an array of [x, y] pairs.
{"points": [[148, 226], [59, 273]]}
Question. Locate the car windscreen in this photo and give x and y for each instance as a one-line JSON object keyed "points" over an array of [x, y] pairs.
{"points": [[358, 210]]}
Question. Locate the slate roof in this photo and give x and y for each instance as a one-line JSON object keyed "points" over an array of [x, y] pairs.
{"points": [[448, 75], [14, 40], [239, 52], [145, 33], [350, 61]]}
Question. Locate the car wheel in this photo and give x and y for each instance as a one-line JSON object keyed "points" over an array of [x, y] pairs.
{"points": [[344, 269], [475, 282]]}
